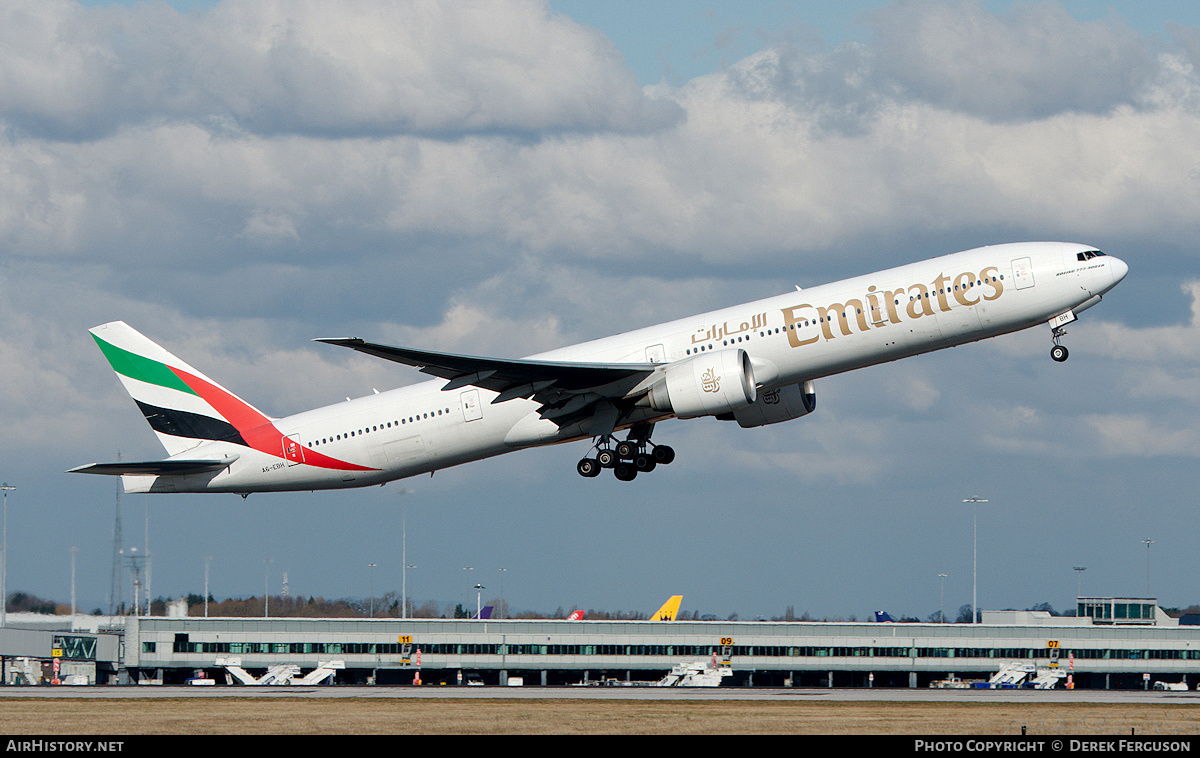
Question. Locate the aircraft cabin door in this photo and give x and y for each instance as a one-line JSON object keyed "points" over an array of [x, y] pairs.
{"points": [[656, 354], [1023, 272], [293, 452], [472, 410]]}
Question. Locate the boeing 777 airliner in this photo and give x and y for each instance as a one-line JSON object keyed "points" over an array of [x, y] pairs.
{"points": [[754, 364]]}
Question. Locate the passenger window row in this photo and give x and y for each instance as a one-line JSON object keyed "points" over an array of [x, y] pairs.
{"points": [[380, 427]]}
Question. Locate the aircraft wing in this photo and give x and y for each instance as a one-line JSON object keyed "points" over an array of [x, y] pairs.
{"points": [[512, 378], [159, 468]]}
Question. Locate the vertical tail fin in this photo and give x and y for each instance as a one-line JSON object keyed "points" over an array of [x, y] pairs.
{"points": [[184, 407], [669, 609]]}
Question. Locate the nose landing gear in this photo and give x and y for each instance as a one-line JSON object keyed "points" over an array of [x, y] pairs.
{"points": [[1057, 332], [1059, 352]]}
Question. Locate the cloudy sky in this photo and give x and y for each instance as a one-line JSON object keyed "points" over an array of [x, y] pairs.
{"points": [[236, 178]]}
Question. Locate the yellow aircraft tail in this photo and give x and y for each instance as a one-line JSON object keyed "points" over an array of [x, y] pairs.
{"points": [[669, 609]]}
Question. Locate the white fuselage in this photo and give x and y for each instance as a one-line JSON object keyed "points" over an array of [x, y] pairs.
{"points": [[791, 338]]}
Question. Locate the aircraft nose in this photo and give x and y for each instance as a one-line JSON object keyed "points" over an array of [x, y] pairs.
{"points": [[1119, 269]]}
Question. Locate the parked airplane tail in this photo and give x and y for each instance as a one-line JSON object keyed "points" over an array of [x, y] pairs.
{"points": [[484, 613], [669, 609], [883, 617], [575, 616], [183, 406]]}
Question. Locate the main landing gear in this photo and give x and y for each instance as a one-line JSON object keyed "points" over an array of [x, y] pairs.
{"points": [[626, 458]]}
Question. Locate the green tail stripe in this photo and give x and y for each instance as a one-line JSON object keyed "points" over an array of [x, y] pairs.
{"points": [[143, 369]]}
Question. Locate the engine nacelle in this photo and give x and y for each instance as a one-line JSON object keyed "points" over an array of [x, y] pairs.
{"points": [[708, 384], [774, 406]]}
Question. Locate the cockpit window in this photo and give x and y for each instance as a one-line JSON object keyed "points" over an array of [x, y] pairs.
{"points": [[1088, 255]]}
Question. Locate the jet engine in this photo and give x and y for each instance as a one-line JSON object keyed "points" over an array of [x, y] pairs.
{"points": [[708, 384], [774, 406]]}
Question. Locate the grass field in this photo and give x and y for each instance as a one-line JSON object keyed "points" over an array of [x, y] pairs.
{"points": [[284, 715]]}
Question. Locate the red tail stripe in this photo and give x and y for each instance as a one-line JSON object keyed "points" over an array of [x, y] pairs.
{"points": [[255, 428], [233, 410]]}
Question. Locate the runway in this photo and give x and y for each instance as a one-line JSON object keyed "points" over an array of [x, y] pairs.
{"points": [[717, 694], [350, 710]]}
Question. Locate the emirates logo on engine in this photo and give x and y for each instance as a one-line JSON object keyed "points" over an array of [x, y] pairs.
{"points": [[709, 381]]}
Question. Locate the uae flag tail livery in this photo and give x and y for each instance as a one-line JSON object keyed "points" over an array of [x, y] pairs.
{"points": [[204, 427]]}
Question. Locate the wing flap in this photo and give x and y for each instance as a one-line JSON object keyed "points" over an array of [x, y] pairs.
{"points": [[157, 468]]}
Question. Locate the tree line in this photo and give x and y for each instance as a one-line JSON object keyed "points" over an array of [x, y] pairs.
{"points": [[388, 606]]}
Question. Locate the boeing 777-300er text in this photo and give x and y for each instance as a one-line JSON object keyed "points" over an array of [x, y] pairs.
{"points": [[754, 364]]}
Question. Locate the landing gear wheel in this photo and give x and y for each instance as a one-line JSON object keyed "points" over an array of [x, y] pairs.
{"points": [[628, 457], [663, 454], [588, 467], [625, 471], [1059, 353]]}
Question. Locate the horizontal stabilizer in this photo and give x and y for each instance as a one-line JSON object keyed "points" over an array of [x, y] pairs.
{"points": [[157, 468]]}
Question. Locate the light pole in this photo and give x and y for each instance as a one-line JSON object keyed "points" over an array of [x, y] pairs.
{"points": [[404, 567], [975, 560], [479, 588], [404, 611], [74, 550], [942, 601], [371, 566], [1079, 586], [468, 568], [1148, 544], [207, 561], [404, 564], [266, 595], [149, 564], [6, 487], [501, 608]]}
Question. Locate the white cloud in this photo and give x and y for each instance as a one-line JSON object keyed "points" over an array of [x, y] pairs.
{"points": [[271, 227], [1029, 62], [485, 177], [1123, 434], [1164, 345], [752, 182], [309, 67]]}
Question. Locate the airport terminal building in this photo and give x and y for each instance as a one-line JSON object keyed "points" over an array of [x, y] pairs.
{"points": [[1129, 644], [1134, 645]]}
